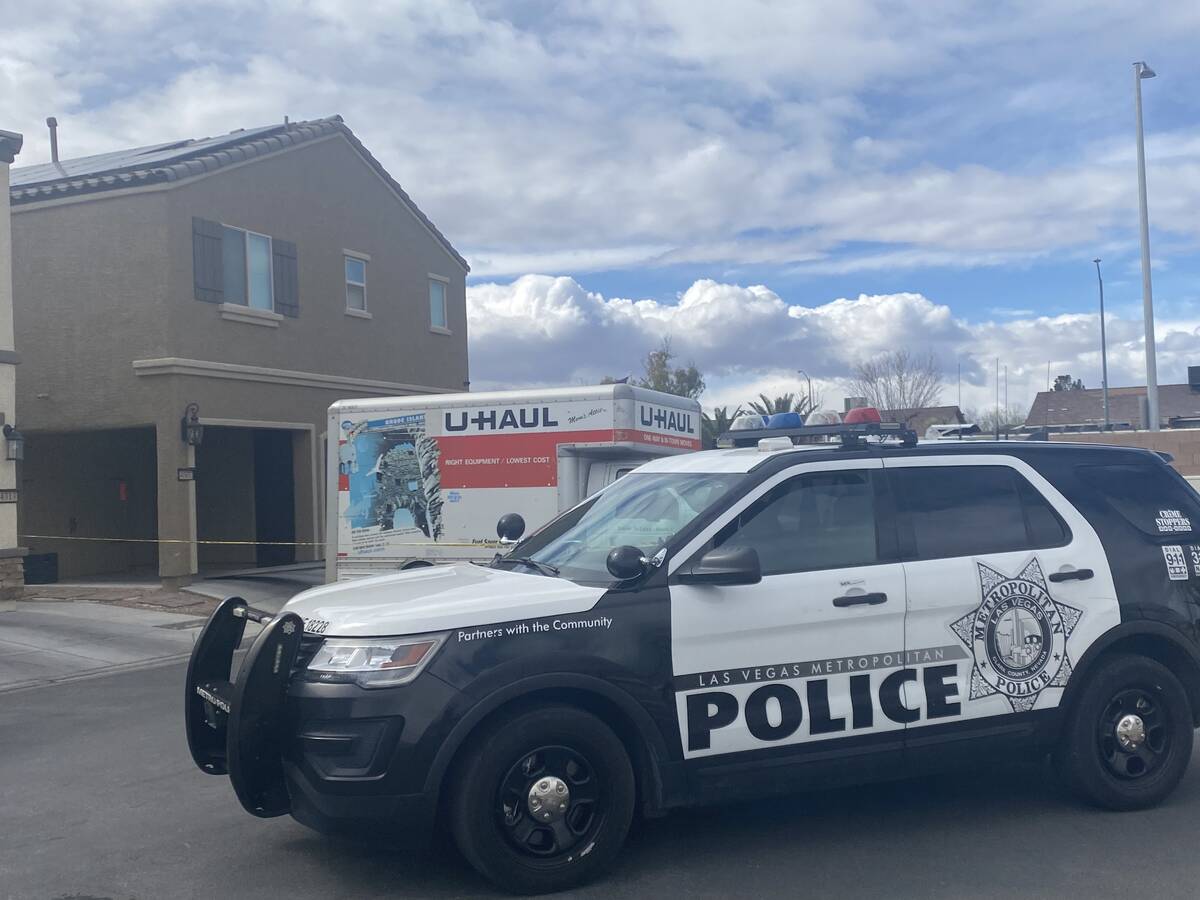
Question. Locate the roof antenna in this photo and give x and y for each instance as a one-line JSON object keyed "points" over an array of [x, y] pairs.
{"points": [[285, 120], [53, 125]]}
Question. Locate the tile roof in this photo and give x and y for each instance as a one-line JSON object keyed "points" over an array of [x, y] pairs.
{"points": [[162, 163], [1086, 407]]}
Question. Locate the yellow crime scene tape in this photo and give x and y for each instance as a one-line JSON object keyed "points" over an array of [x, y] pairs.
{"points": [[107, 540]]}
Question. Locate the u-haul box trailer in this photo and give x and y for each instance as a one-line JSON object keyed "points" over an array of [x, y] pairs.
{"points": [[423, 480]]}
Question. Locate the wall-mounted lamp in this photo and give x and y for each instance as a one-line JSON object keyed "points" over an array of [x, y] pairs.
{"points": [[191, 432], [14, 443]]}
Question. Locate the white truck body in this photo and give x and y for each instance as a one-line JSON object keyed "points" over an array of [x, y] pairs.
{"points": [[424, 479]]}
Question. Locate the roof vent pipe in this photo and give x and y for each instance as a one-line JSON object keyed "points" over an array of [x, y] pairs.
{"points": [[52, 123]]}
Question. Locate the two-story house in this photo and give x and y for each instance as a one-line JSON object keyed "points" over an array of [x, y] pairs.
{"points": [[240, 284]]}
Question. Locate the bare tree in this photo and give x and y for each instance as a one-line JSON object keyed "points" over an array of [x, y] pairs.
{"points": [[898, 380], [988, 417]]}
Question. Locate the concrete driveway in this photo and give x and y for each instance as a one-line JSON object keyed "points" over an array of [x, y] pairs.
{"points": [[43, 642]]}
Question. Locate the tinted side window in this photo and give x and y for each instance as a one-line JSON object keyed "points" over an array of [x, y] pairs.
{"points": [[1154, 498], [972, 510], [823, 520]]}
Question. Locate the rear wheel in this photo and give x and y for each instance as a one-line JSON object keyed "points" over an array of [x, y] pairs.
{"points": [[1128, 738], [542, 801]]}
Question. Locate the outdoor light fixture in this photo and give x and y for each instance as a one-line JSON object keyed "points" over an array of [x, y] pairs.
{"points": [[14, 446], [191, 432]]}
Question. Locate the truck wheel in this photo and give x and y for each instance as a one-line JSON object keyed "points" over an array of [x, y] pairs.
{"points": [[543, 801], [1128, 738]]}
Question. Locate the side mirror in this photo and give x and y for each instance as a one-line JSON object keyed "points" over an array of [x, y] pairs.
{"points": [[625, 562], [735, 565], [510, 527]]}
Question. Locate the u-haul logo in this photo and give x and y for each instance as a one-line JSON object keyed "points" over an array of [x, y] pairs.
{"points": [[511, 419], [664, 419]]}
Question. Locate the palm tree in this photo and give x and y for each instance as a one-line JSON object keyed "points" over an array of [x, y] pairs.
{"points": [[768, 406], [717, 424]]}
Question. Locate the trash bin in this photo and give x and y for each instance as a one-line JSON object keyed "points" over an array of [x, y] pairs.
{"points": [[41, 568]]}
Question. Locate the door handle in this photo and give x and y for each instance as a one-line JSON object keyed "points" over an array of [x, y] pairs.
{"points": [[1073, 575], [860, 599]]}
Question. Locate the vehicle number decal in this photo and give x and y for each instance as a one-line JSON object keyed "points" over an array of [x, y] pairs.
{"points": [[1177, 567]]}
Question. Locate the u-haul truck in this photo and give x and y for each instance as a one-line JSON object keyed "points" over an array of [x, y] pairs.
{"points": [[424, 480]]}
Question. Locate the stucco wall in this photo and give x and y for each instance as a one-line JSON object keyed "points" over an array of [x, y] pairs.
{"points": [[89, 290], [324, 198]]}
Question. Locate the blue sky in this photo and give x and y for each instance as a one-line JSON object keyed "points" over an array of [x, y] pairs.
{"points": [[846, 177]]}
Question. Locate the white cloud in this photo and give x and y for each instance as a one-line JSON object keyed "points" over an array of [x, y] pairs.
{"points": [[588, 136], [746, 339]]}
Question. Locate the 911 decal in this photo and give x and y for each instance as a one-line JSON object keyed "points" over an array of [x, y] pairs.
{"points": [[1177, 567]]}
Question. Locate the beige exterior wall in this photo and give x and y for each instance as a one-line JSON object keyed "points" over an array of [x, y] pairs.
{"points": [[104, 282], [10, 564]]}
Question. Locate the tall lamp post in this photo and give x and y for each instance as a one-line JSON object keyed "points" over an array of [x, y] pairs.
{"points": [[810, 396], [1103, 348], [1140, 71]]}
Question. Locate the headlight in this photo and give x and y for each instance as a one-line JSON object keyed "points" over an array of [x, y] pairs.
{"points": [[373, 662]]}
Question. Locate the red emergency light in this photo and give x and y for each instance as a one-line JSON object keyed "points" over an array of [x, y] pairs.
{"points": [[862, 415]]}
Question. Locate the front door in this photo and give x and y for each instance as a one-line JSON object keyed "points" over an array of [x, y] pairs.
{"points": [[1009, 580], [812, 658]]}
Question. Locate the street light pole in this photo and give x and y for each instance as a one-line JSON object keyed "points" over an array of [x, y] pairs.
{"points": [[810, 396], [1140, 71], [1103, 348]]}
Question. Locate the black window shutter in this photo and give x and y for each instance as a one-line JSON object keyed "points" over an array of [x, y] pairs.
{"points": [[287, 278], [207, 266]]}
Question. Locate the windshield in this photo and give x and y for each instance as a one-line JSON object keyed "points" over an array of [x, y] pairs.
{"points": [[640, 510]]}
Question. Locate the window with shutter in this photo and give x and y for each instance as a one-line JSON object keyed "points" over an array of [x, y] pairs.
{"points": [[287, 278], [208, 266]]}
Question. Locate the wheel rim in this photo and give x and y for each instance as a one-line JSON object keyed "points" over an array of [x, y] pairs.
{"points": [[550, 802], [1134, 735]]}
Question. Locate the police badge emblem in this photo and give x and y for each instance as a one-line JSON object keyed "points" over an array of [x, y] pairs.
{"points": [[1018, 636]]}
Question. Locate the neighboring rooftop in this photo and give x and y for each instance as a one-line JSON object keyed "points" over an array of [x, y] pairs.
{"points": [[1126, 406], [176, 160]]}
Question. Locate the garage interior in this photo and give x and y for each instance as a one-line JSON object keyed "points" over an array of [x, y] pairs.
{"points": [[102, 486]]}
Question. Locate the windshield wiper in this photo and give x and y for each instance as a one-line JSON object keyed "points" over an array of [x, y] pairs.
{"points": [[544, 568]]}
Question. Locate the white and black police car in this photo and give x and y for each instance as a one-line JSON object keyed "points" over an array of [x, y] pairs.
{"points": [[730, 624]]}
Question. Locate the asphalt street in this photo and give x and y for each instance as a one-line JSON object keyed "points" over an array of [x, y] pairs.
{"points": [[99, 799]]}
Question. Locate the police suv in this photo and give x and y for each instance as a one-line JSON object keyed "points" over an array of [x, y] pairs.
{"points": [[730, 624]]}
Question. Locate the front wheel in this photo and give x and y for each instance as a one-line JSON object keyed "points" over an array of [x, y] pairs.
{"points": [[542, 801], [1128, 739]]}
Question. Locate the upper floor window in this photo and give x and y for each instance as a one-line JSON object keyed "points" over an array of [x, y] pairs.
{"points": [[246, 258], [244, 268], [437, 304], [356, 283]]}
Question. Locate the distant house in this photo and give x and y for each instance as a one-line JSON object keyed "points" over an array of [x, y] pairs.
{"points": [[920, 419], [1083, 410], [251, 279]]}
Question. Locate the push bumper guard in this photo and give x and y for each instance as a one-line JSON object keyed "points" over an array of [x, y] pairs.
{"points": [[234, 727]]}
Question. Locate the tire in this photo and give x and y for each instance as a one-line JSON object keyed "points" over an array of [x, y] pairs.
{"points": [[1128, 737], [491, 811]]}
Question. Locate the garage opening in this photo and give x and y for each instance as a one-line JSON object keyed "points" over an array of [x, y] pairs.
{"points": [[245, 498], [89, 501]]}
